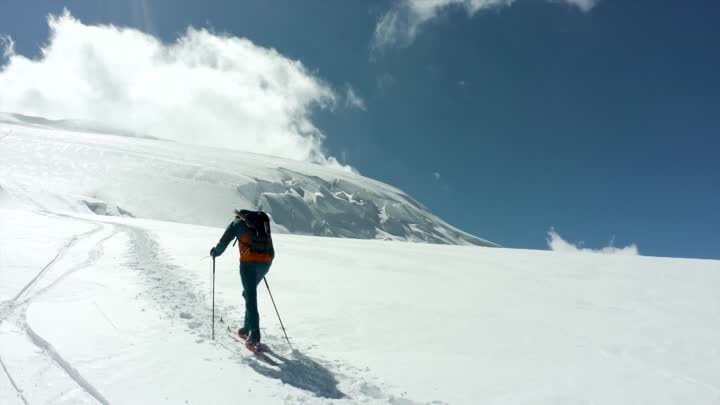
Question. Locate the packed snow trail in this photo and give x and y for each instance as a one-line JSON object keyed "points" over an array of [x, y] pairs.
{"points": [[176, 294], [297, 369], [173, 294]]}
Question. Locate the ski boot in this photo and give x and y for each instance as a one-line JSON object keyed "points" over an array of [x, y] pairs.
{"points": [[253, 341]]}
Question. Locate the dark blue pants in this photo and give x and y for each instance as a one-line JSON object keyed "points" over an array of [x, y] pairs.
{"points": [[251, 274]]}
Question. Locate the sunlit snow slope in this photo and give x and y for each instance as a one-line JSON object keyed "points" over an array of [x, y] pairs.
{"points": [[86, 167], [112, 309]]}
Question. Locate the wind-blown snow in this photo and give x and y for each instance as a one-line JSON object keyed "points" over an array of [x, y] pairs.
{"points": [[68, 125], [149, 178], [558, 244], [202, 88]]}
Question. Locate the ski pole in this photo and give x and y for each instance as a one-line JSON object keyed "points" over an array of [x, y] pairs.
{"points": [[278, 313], [213, 302]]}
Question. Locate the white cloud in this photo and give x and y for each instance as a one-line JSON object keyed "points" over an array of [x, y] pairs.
{"points": [[558, 244], [204, 88], [352, 100], [402, 23], [436, 175]]}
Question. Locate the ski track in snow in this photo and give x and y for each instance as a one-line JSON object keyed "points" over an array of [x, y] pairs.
{"points": [[180, 299], [12, 382], [69, 369], [44, 269], [16, 309]]}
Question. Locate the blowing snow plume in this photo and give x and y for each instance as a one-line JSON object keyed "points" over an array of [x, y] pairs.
{"points": [[557, 244], [204, 88]]}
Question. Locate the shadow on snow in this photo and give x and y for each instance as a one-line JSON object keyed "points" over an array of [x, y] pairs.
{"points": [[299, 371]]}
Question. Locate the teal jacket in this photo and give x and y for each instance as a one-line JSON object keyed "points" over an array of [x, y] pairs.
{"points": [[235, 230]]}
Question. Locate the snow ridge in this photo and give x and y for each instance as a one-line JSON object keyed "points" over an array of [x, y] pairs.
{"points": [[146, 178]]}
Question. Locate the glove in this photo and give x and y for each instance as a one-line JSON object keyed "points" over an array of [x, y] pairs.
{"points": [[213, 253]]}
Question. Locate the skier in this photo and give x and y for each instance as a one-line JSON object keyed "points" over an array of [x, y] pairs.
{"points": [[252, 229]]}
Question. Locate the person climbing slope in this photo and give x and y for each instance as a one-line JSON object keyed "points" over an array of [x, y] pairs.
{"points": [[252, 230]]}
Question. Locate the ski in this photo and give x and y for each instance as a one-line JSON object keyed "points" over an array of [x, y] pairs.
{"points": [[258, 350]]}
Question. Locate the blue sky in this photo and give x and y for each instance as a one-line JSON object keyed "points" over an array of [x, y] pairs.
{"points": [[602, 123]]}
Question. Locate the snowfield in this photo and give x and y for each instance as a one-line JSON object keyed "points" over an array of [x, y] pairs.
{"points": [[116, 309], [102, 172]]}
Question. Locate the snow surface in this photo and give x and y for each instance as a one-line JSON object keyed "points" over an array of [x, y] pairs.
{"points": [[116, 309], [149, 178]]}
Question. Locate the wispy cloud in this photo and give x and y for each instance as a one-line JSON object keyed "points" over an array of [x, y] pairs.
{"points": [[584, 5], [436, 176], [203, 88], [352, 100], [401, 25], [385, 82], [8, 46], [558, 244]]}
